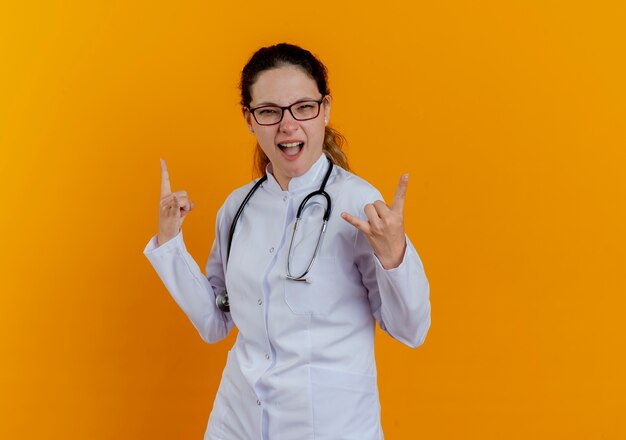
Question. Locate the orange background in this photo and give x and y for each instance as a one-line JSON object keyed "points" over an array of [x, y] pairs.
{"points": [[509, 116]]}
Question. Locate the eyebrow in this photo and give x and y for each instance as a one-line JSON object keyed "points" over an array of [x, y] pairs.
{"points": [[264, 103]]}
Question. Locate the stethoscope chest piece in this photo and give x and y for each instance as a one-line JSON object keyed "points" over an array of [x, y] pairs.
{"points": [[221, 300]]}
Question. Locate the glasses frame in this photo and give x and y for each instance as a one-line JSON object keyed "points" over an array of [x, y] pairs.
{"points": [[282, 111]]}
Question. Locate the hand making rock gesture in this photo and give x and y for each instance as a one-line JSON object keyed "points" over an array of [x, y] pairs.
{"points": [[173, 208], [384, 227]]}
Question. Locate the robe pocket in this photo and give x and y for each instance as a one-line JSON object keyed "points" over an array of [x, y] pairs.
{"points": [[345, 405], [321, 294], [221, 414]]}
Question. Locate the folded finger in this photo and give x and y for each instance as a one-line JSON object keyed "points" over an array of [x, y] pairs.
{"points": [[184, 203], [372, 216], [381, 208]]}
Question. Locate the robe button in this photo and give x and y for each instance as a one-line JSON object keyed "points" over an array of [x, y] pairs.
{"points": [[258, 402], [267, 356], [260, 301], [271, 250]]}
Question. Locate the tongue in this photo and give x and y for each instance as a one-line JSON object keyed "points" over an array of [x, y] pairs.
{"points": [[292, 151]]}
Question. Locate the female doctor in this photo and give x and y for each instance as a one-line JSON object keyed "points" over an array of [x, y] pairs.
{"points": [[305, 300]]}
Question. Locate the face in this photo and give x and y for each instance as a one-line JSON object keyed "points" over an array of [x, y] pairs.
{"points": [[291, 146]]}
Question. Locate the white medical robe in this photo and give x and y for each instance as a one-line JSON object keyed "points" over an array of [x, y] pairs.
{"points": [[303, 364]]}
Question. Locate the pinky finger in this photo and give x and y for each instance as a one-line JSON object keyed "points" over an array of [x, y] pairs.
{"points": [[356, 222]]}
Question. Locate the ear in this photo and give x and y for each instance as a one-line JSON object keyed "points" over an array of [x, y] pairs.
{"points": [[247, 116], [326, 105]]}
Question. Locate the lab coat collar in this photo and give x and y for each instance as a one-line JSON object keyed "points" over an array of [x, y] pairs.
{"points": [[313, 177]]}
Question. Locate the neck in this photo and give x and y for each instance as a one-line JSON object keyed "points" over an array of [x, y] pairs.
{"points": [[283, 182]]}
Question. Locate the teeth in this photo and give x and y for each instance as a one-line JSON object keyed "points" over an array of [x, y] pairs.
{"points": [[292, 144]]}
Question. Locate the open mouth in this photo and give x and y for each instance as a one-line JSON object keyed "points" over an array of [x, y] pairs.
{"points": [[291, 148]]}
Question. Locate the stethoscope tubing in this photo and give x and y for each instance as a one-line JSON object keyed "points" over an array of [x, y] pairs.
{"points": [[240, 211], [221, 299]]}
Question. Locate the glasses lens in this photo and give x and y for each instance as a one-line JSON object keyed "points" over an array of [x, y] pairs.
{"points": [[305, 110], [267, 115]]}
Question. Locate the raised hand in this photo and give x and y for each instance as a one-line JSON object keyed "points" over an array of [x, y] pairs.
{"points": [[173, 208], [384, 227]]}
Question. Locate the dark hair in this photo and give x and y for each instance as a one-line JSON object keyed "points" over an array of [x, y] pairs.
{"points": [[285, 54]]}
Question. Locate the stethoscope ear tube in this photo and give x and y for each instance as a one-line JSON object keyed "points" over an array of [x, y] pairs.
{"points": [[319, 192], [317, 248]]}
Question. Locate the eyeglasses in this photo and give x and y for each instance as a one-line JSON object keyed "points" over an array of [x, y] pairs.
{"points": [[273, 114]]}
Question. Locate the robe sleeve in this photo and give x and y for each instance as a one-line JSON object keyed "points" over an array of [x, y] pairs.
{"points": [[194, 292], [400, 297]]}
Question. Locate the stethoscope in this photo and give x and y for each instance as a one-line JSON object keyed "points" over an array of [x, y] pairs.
{"points": [[222, 299]]}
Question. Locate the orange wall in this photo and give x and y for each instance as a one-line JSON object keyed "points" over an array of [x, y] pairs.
{"points": [[510, 117]]}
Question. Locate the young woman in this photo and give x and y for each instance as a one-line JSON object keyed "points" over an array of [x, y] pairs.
{"points": [[305, 299]]}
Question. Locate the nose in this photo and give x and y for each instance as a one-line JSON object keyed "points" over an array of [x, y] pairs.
{"points": [[288, 123]]}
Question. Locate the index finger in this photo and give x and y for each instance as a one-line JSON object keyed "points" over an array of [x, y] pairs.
{"points": [[165, 180], [398, 198]]}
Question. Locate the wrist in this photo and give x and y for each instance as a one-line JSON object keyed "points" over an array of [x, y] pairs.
{"points": [[163, 238], [393, 261]]}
